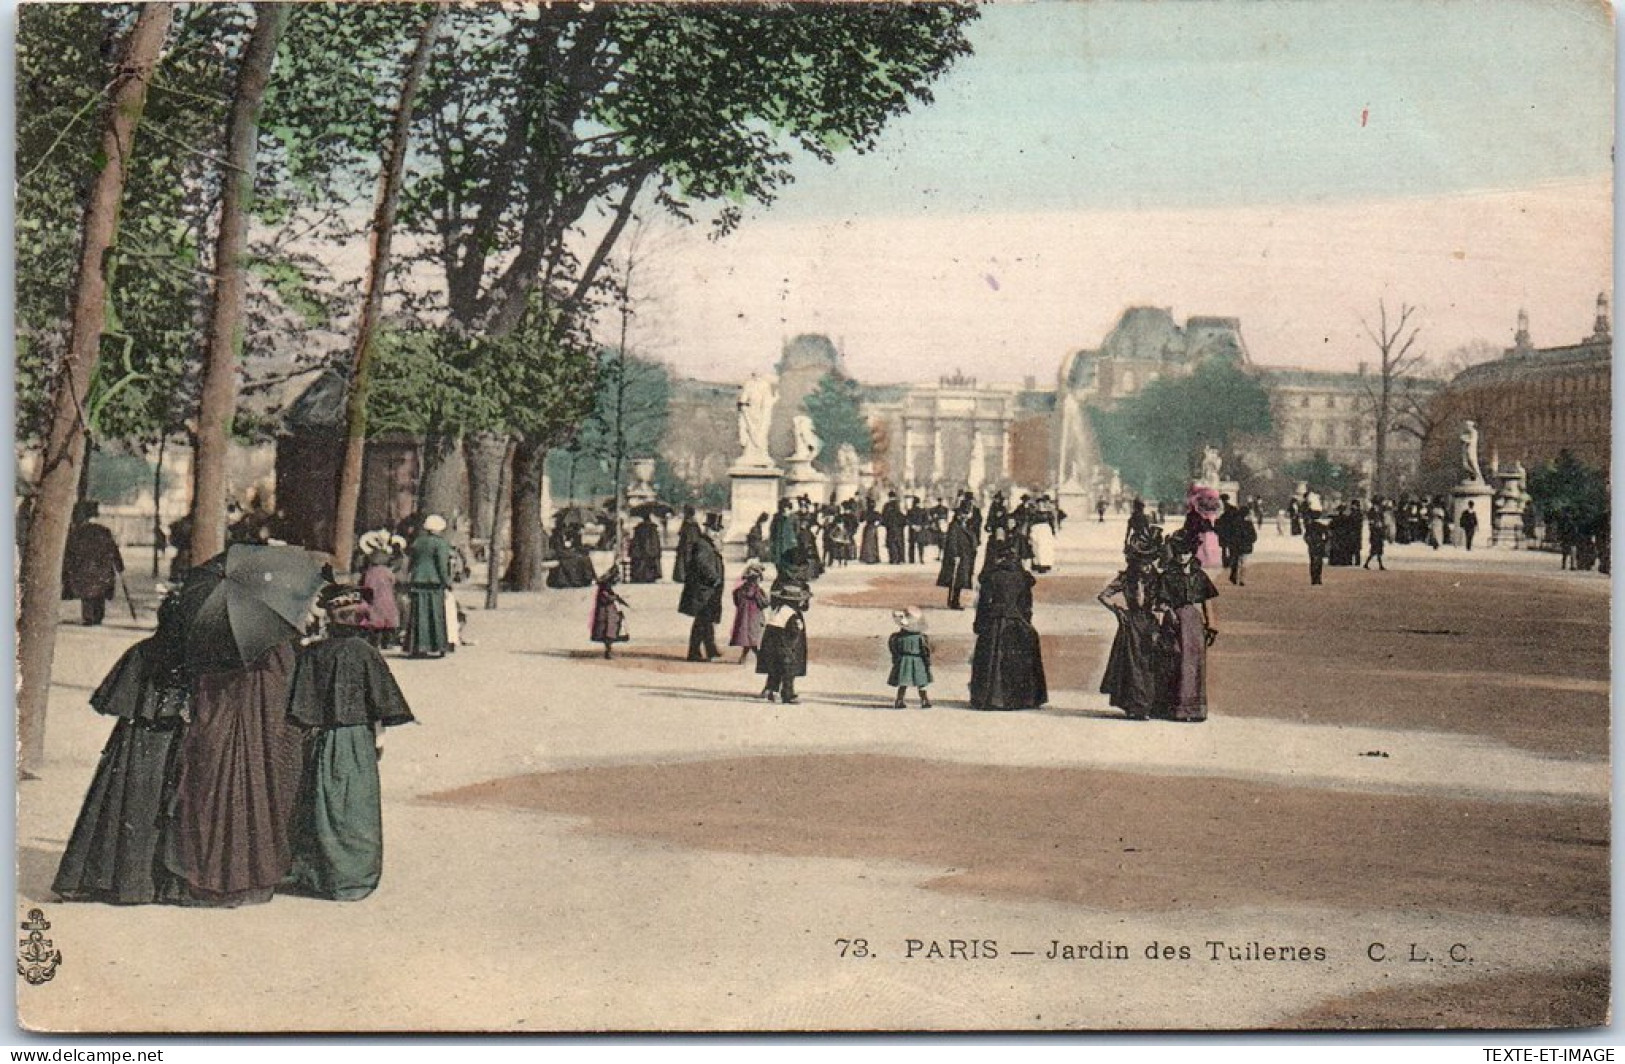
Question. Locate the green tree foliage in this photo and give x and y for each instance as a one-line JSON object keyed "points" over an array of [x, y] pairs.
{"points": [[1153, 437], [538, 116], [1324, 475], [159, 269], [1572, 495], [628, 420], [834, 409], [157, 280]]}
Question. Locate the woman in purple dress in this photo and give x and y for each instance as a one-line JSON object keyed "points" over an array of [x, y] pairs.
{"points": [[1188, 629]]}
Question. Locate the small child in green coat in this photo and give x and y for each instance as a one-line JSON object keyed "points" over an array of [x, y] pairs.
{"points": [[910, 656]]}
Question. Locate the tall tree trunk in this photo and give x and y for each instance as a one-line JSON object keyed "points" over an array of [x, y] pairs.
{"points": [[383, 229], [485, 452], [527, 535], [218, 403], [51, 509], [493, 557], [441, 486]]}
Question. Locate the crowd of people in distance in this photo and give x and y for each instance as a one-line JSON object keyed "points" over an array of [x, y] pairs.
{"points": [[997, 552]]}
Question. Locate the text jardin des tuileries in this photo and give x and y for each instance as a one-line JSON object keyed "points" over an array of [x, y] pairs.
{"points": [[1207, 950]]}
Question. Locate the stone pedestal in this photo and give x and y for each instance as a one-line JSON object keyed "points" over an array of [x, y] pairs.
{"points": [[755, 491], [1077, 503], [800, 478], [1482, 496], [641, 491], [1509, 505], [844, 488]]}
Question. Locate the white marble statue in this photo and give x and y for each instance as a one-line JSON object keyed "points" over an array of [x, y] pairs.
{"points": [[807, 443], [1211, 464], [846, 461], [1470, 473], [756, 399]]}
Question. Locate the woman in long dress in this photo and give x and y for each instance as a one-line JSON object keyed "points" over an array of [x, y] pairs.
{"points": [[645, 552], [574, 564], [383, 617], [1202, 508], [344, 695], [1138, 673], [1007, 667], [241, 760], [115, 853], [1188, 627], [869, 552], [428, 576]]}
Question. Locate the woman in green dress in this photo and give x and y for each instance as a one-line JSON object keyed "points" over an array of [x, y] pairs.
{"points": [[428, 575], [343, 696]]}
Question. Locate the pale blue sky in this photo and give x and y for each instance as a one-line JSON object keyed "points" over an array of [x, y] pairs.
{"points": [[1112, 104]]}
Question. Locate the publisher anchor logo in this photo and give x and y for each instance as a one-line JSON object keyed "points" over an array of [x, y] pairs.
{"points": [[37, 959]]}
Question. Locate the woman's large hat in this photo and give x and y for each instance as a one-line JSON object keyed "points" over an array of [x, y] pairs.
{"points": [[1143, 544], [434, 523]]}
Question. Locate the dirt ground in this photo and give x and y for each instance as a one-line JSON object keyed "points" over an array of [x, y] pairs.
{"points": [[1102, 839]]}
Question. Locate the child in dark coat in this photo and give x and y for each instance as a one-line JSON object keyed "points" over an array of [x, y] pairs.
{"points": [[783, 654]]}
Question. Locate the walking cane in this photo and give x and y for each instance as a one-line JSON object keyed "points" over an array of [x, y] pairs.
{"points": [[128, 601]]}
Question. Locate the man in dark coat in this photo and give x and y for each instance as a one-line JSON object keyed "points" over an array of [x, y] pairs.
{"points": [[686, 534], [1244, 537], [91, 565], [702, 593], [1224, 526], [917, 520], [783, 535], [893, 521], [645, 552], [1469, 526], [1315, 535], [958, 559]]}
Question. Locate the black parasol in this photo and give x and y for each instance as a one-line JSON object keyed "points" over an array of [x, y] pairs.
{"points": [[246, 601]]}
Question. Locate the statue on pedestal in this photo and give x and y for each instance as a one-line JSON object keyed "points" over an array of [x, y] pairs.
{"points": [[1211, 465], [1470, 473], [756, 400], [807, 443]]}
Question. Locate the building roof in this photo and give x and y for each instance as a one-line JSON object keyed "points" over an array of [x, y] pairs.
{"points": [[1144, 334], [1534, 364], [319, 408]]}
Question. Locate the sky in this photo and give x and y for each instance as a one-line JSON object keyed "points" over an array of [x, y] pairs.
{"points": [[1286, 163]]}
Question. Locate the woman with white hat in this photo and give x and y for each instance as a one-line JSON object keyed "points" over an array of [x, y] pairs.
{"points": [[428, 577]]}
